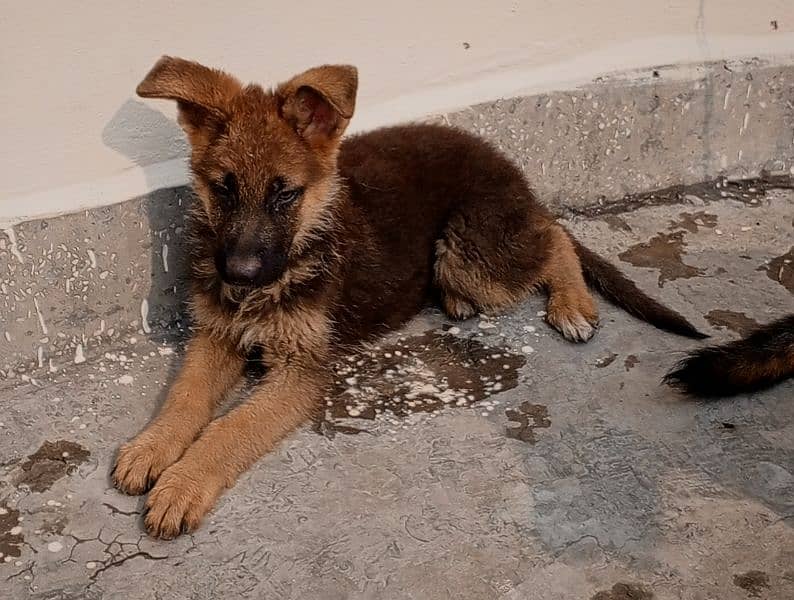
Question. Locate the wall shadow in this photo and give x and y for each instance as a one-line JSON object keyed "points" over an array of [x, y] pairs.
{"points": [[146, 136]]}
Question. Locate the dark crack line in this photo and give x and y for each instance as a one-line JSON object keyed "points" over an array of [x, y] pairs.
{"points": [[79, 541], [118, 511], [109, 551], [28, 569], [572, 543], [118, 557], [193, 545], [781, 518], [31, 548], [121, 561], [408, 531]]}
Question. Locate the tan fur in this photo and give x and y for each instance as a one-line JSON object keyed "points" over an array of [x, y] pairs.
{"points": [[762, 359], [211, 368], [316, 213], [228, 446], [283, 332], [203, 95], [571, 308], [188, 484], [468, 285], [336, 85]]}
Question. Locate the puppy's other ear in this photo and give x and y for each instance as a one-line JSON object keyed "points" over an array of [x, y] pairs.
{"points": [[319, 103], [203, 95]]}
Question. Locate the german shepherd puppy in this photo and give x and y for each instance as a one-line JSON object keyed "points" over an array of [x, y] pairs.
{"points": [[762, 359], [301, 243]]}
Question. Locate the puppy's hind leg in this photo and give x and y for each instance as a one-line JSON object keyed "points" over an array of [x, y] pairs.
{"points": [[468, 286], [500, 260], [571, 309]]}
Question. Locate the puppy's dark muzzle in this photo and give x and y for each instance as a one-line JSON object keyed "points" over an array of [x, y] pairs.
{"points": [[250, 269]]}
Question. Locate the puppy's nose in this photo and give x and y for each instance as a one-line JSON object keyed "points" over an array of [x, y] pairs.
{"points": [[242, 269]]}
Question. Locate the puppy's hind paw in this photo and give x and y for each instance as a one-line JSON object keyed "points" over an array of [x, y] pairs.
{"points": [[573, 325]]}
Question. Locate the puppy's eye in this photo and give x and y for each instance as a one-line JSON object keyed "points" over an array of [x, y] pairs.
{"points": [[285, 197], [225, 189], [281, 196], [230, 182]]}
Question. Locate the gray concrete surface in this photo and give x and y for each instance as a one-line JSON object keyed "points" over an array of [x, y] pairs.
{"points": [[632, 132], [553, 471]]}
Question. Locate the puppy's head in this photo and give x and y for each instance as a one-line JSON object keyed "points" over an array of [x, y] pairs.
{"points": [[263, 161]]}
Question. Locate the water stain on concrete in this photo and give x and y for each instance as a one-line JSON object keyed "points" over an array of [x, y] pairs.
{"points": [[11, 538], [735, 321], [662, 252], [625, 591], [605, 361], [630, 362], [692, 222], [753, 582], [420, 374], [527, 418], [329, 429], [617, 223], [49, 463], [748, 191], [54, 526], [781, 269]]}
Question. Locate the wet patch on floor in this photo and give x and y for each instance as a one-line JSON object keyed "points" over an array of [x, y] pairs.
{"points": [[605, 361], [753, 582], [420, 374], [616, 223], [781, 269], [49, 463], [527, 419], [735, 321], [630, 362], [662, 252], [329, 429], [748, 191], [692, 222], [54, 526], [625, 591], [11, 538]]}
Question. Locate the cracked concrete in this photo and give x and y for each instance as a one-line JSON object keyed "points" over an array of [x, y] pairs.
{"points": [[571, 473]]}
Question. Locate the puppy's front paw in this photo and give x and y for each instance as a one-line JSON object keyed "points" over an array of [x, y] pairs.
{"points": [[179, 501], [140, 462]]}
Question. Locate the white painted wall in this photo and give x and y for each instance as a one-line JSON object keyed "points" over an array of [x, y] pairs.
{"points": [[75, 136]]}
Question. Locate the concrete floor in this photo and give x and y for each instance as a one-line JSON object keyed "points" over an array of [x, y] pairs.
{"points": [[514, 465]]}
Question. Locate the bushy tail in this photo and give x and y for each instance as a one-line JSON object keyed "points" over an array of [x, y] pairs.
{"points": [[608, 281], [756, 362]]}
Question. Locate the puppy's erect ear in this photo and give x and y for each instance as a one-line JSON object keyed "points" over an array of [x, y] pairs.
{"points": [[319, 103], [202, 94]]}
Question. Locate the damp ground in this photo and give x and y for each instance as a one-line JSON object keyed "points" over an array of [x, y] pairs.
{"points": [[481, 459]]}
